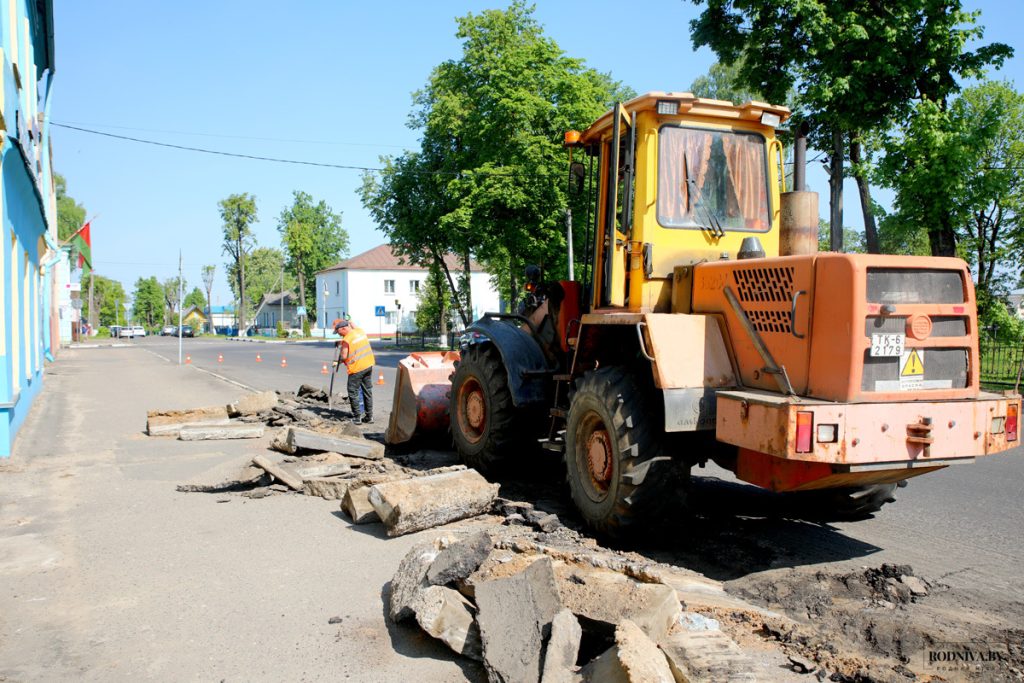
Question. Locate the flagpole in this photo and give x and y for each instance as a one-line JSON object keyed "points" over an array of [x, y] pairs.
{"points": [[180, 294]]}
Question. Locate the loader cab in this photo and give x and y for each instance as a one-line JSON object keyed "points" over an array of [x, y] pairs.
{"points": [[679, 180]]}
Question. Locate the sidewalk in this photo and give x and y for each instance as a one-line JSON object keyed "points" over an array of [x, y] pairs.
{"points": [[108, 573]]}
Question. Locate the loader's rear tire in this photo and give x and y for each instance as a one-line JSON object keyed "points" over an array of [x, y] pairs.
{"points": [[617, 470], [485, 425]]}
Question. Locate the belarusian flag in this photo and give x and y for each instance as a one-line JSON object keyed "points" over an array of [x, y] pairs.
{"points": [[83, 244]]}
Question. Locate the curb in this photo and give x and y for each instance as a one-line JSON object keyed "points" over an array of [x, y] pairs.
{"points": [[281, 341]]}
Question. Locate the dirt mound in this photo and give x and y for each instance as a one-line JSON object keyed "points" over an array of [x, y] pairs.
{"points": [[878, 624]]}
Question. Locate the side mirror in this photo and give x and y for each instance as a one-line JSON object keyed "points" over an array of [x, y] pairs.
{"points": [[577, 174]]}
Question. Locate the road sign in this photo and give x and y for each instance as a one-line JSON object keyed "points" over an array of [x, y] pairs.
{"points": [[300, 311], [379, 311]]}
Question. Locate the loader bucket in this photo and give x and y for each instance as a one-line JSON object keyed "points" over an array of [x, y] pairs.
{"points": [[420, 404]]}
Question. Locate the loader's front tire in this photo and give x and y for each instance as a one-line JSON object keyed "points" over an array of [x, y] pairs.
{"points": [[615, 462], [483, 418]]}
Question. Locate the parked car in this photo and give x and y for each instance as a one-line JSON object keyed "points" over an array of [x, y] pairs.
{"points": [[187, 331], [169, 331]]}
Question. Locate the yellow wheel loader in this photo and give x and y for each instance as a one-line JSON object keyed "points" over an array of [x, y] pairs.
{"points": [[707, 327]]}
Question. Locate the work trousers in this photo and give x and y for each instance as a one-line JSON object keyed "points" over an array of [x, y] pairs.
{"points": [[360, 392]]}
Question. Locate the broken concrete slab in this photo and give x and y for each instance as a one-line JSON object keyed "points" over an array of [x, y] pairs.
{"points": [[605, 596], [444, 614], [460, 559], [515, 615], [227, 477], [356, 504], [424, 502], [324, 470], [346, 445], [253, 404], [562, 649], [280, 442], [312, 393], [287, 478], [411, 576], [328, 488], [706, 656], [221, 432], [635, 658], [170, 422]]}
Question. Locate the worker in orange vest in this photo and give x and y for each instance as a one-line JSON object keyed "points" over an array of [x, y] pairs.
{"points": [[358, 358]]}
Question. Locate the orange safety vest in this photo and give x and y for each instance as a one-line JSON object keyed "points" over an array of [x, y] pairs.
{"points": [[360, 355]]}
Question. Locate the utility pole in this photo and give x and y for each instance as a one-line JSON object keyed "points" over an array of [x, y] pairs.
{"points": [[181, 294], [282, 293]]}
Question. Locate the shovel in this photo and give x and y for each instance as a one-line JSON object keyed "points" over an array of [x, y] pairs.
{"points": [[334, 371]]}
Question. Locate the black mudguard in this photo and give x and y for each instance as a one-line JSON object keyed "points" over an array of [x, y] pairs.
{"points": [[528, 371]]}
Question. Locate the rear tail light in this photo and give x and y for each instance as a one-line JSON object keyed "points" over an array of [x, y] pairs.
{"points": [[1011, 421], [804, 431]]}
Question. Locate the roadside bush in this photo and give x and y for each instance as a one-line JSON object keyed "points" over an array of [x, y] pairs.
{"points": [[305, 327], [103, 332], [281, 331]]}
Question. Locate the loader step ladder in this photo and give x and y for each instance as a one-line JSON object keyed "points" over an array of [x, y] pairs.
{"points": [[555, 441]]}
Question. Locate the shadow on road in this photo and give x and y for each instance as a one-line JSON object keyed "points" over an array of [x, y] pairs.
{"points": [[726, 531]]}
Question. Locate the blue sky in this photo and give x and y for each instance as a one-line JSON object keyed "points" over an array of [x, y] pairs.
{"points": [[327, 82]]}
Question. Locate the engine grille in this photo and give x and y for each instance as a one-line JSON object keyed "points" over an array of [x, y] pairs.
{"points": [[764, 285]]}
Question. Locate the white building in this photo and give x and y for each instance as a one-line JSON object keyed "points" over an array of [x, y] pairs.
{"points": [[376, 282]]}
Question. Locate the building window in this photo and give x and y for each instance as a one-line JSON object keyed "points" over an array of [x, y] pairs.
{"points": [[389, 286], [414, 286], [391, 318], [337, 287]]}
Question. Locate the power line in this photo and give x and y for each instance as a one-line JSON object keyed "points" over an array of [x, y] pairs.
{"points": [[222, 135], [218, 152], [500, 171]]}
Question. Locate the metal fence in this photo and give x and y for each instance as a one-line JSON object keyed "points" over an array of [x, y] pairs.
{"points": [[1000, 362]]}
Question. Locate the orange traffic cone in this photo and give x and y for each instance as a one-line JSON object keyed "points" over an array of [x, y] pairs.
{"points": [[188, 360], [380, 378], [323, 370], [220, 357], [258, 359], [284, 362]]}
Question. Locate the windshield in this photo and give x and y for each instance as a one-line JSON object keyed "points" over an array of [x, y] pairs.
{"points": [[712, 180]]}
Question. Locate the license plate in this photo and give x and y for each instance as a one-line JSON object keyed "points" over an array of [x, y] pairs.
{"points": [[883, 345]]}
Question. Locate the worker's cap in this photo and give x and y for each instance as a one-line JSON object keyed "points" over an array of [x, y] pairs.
{"points": [[340, 323]]}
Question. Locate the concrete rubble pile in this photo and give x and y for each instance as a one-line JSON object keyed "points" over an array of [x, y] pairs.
{"points": [[554, 607]]}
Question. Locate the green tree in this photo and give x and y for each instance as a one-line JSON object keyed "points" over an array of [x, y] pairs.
{"points": [[108, 295], [196, 298], [172, 292], [723, 82], [149, 303], [264, 269], [70, 214], [434, 306], [238, 213], [856, 65], [492, 124], [313, 239]]}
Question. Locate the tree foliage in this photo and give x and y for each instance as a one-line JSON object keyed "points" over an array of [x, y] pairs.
{"points": [[490, 178], [263, 271], [108, 295], [70, 214], [196, 298], [238, 213], [857, 66], [723, 82], [148, 298], [313, 239]]}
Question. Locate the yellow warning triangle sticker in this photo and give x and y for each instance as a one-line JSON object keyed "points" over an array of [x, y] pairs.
{"points": [[914, 367]]}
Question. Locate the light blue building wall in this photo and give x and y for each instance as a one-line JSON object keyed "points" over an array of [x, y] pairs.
{"points": [[28, 240]]}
